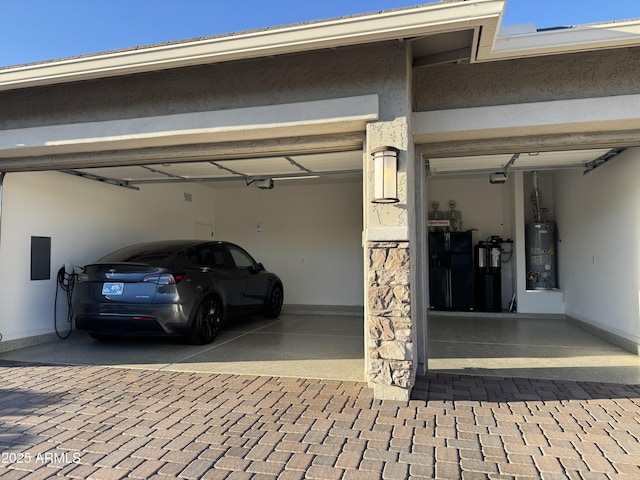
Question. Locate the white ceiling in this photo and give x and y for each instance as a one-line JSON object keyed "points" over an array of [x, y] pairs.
{"points": [[578, 159], [248, 169], [334, 166]]}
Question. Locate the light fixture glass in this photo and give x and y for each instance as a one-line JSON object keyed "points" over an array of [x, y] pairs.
{"points": [[385, 175]]}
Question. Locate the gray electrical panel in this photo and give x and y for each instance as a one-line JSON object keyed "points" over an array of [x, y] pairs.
{"points": [[40, 258]]}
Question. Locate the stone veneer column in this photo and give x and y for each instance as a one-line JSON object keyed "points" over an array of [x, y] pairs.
{"points": [[390, 345], [390, 348]]}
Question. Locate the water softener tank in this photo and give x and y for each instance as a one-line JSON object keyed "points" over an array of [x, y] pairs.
{"points": [[541, 256], [488, 276]]}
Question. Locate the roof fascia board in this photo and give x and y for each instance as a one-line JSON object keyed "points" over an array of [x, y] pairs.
{"points": [[382, 26], [566, 40]]}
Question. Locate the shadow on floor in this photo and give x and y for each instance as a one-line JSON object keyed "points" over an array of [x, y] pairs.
{"points": [[443, 387]]}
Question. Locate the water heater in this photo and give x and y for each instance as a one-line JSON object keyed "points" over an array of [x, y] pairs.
{"points": [[541, 256]]}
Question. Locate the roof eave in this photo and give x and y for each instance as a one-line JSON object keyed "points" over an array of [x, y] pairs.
{"points": [[381, 26], [574, 39]]}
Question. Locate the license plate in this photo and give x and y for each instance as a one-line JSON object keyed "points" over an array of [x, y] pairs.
{"points": [[112, 289]]}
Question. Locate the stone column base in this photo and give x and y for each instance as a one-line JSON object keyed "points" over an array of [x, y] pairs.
{"points": [[390, 392], [391, 354]]}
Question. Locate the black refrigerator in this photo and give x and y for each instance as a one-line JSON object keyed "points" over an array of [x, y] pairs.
{"points": [[451, 271]]}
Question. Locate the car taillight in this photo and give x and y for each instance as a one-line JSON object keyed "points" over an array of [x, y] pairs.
{"points": [[163, 278]]}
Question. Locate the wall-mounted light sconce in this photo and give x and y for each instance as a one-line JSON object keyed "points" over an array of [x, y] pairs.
{"points": [[385, 169]]}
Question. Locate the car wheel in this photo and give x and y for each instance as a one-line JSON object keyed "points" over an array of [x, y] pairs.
{"points": [[274, 302], [207, 322]]}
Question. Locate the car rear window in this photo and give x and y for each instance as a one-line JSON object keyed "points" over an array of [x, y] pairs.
{"points": [[142, 253]]}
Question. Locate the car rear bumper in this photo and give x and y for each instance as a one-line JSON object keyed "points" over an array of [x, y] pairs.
{"points": [[112, 325], [109, 319]]}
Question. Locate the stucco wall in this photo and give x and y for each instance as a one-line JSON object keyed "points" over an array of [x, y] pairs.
{"points": [[599, 259], [563, 77], [85, 220], [312, 76], [310, 235]]}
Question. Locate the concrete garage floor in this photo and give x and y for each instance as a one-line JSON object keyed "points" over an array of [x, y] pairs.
{"points": [[514, 345], [329, 347]]}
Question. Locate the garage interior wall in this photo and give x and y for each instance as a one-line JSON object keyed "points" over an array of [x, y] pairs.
{"points": [[598, 254], [85, 220], [310, 235], [485, 209]]}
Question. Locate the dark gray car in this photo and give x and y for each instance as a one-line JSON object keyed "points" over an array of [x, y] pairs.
{"points": [[184, 287]]}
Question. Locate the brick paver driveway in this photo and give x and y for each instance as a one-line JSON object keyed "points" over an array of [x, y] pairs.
{"points": [[112, 423]]}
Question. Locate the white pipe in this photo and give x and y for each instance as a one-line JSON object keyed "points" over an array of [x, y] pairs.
{"points": [[537, 196]]}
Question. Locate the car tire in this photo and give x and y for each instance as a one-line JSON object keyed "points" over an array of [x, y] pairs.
{"points": [[207, 322], [274, 301]]}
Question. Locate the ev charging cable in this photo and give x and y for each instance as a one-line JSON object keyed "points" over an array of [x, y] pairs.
{"points": [[66, 280]]}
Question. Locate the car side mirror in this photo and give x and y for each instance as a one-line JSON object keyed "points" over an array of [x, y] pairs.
{"points": [[257, 269]]}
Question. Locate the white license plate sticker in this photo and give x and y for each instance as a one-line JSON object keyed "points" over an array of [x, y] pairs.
{"points": [[112, 289]]}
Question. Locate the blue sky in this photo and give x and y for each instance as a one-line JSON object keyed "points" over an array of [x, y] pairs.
{"points": [[37, 30]]}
